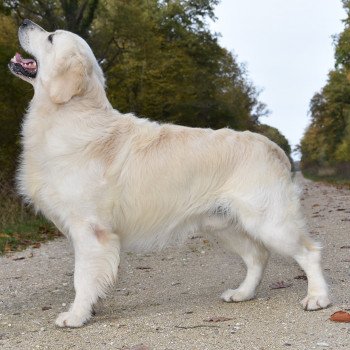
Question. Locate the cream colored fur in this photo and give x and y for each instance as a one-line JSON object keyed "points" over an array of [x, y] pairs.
{"points": [[110, 181]]}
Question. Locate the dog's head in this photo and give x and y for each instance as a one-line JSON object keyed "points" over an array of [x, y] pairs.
{"points": [[63, 63]]}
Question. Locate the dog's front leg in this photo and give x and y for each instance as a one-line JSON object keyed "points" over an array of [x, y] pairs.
{"points": [[96, 265]]}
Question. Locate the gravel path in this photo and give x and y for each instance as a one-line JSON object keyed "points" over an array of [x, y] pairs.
{"points": [[163, 300]]}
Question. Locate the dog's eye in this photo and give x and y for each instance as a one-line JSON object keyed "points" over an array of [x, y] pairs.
{"points": [[50, 38]]}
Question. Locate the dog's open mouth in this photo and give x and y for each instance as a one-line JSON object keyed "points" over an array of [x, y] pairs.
{"points": [[23, 66]]}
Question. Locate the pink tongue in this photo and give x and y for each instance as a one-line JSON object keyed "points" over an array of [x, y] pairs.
{"points": [[20, 59]]}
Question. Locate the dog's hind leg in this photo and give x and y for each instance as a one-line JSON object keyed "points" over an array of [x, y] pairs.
{"points": [[254, 255], [281, 228], [309, 258], [290, 241], [96, 265]]}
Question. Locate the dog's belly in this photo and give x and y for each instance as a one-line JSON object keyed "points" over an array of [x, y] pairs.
{"points": [[154, 230]]}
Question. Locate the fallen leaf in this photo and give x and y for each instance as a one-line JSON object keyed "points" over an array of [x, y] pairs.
{"points": [[340, 316], [280, 285], [345, 247], [45, 308], [218, 319], [143, 268], [36, 245], [19, 258], [7, 248]]}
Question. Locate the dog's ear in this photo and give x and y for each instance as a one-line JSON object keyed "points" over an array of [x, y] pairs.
{"points": [[69, 78]]}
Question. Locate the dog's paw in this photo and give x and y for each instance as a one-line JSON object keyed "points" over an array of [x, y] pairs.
{"points": [[315, 302], [69, 319], [236, 295]]}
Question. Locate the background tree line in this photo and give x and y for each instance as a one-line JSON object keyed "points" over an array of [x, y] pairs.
{"points": [[160, 59], [325, 146]]}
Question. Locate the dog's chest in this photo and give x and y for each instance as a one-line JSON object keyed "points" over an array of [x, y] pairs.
{"points": [[54, 171]]}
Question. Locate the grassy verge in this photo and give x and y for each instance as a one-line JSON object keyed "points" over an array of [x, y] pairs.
{"points": [[32, 232], [332, 180], [19, 227]]}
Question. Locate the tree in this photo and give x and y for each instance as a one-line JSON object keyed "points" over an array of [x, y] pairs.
{"points": [[14, 96], [326, 142], [73, 15]]}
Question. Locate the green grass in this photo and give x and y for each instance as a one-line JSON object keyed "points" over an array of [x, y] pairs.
{"points": [[30, 232], [19, 226], [333, 180]]}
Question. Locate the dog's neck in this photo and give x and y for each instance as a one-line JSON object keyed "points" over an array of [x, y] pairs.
{"points": [[94, 98]]}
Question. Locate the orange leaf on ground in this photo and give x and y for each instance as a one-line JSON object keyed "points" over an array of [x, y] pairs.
{"points": [[340, 316]]}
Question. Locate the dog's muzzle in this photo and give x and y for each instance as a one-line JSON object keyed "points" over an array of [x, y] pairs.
{"points": [[26, 67], [27, 24]]}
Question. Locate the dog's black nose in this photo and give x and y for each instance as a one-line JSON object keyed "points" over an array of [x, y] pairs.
{"points": [[26, 23]]}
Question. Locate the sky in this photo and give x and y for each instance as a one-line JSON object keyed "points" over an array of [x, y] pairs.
{"points": [[288, 49]]}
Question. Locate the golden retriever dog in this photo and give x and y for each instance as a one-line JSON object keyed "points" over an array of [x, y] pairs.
{"points": [[110, 181]]}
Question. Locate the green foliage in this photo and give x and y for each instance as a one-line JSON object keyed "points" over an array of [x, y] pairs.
{"points": [[342, 41], [73, 15], [14, 96], [169, 66], [329, 118], [326, 143]]}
